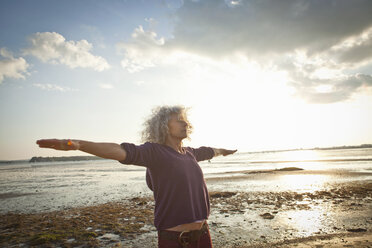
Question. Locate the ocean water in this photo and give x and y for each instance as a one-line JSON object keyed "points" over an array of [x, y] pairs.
{"points": [[34, 187]]}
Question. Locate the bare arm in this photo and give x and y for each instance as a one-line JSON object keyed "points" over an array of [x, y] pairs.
{"points": [[224, 152], [104, 150]]}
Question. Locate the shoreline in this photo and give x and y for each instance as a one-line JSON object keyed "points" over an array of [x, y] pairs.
{"points": [[237, 219]]}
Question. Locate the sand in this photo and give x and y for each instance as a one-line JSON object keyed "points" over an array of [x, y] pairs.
{"points": [[339, 215]]}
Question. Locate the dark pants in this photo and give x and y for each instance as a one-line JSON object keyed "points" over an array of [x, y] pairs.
{"points": [[203, 242]]}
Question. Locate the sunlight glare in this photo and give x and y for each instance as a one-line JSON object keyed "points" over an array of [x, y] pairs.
{"points": [[304, 183], [241, 104], [300, 155], [307, 222]]}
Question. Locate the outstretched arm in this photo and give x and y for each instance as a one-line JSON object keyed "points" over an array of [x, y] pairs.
{"points": [[103, 150], [224, 152]]}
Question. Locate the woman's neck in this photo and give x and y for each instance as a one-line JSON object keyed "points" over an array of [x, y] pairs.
{"points": [[176, 144]]}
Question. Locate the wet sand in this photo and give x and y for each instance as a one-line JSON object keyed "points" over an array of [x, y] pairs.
{"points": [[338, 215]]}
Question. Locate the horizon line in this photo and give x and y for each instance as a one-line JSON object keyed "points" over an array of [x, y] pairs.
{"points": [[262, 151]]}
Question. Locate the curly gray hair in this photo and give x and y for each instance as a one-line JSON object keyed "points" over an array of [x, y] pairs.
{"points": [[156, 126]]}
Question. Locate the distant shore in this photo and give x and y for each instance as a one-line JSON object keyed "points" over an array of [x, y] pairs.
{"points": [[64, 158]]}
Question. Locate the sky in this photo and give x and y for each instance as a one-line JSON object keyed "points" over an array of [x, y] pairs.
{"points": [[256, 74]]}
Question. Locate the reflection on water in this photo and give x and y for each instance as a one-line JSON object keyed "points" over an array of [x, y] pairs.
{"points": [[301, 183], [306, 222], [300, 155]]}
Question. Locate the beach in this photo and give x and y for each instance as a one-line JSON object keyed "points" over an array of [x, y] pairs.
{"points": [[338, 214]]}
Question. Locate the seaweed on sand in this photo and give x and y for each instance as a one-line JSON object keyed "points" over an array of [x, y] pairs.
{"points": [[77, 226]]}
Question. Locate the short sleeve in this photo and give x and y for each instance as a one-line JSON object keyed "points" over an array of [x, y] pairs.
{"points": [[137, 154], [202, 153]]}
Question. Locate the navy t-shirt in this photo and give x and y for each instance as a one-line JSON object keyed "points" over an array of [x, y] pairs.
{"points": [[180, 192]]}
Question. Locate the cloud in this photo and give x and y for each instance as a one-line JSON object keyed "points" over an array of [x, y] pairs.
{"points": [[266, 27], [53, 47], [141, 51], [323, 77], [322, 91], [106, 86], [354, 50], [315, 42], [53, 87], [11, 67], [319, 81], [254, 29], [146, 50], [140, 82], [233, 3]]}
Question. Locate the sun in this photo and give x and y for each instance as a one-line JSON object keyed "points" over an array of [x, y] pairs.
{"points": [[240, 104]]}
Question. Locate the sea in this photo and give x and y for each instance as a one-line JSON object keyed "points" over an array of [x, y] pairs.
{"points": [[48, 186]]}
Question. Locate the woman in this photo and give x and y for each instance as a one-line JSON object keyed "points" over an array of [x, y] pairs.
{"points": [[173, 174]]}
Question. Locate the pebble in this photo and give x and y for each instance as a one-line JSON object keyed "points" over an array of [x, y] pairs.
{"points": [[267, 216], [109, 236]]}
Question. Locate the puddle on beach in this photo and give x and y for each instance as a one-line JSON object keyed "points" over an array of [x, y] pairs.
{"points": [[304, 183], [307, 222]]}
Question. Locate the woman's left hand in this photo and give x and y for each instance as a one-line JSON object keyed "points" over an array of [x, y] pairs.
{"points": [[224, 152]]}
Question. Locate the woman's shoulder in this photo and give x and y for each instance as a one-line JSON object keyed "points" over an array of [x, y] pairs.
{"points": [[154, 146], [151, 144]]}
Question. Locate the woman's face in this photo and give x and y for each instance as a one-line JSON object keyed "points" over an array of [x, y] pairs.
{"points": [[177, 126]]}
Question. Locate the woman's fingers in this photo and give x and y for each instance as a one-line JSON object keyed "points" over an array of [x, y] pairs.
{"points": [[50, 143], [47, 143], [57, 144], [228, 152]]}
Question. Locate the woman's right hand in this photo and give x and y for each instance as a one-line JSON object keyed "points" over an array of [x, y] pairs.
{"points": [[59, 144]]}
